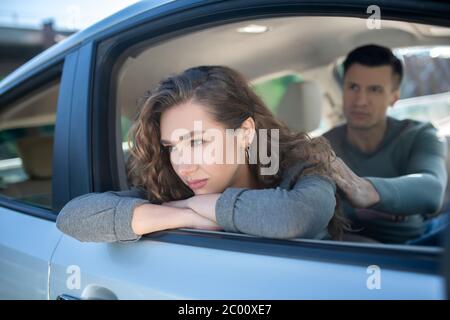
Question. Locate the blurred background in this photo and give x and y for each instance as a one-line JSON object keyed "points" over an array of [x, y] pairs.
{"points": [[28, 27]]}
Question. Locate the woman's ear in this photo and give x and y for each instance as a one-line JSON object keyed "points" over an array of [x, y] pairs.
{"points": [[248, 128]]}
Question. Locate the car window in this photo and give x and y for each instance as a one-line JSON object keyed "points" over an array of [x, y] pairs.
{"points": [[427, 71], [425, 90], [26, 147], [135, 76]]}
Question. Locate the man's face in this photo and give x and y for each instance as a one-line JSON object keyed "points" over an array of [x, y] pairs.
{"points": [[368, 92]]}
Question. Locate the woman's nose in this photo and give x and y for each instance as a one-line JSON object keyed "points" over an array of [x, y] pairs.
{"points": [[186, 169]]}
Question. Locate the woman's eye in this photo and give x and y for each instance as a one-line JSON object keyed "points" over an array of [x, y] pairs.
{"points": [[197, 142], [169, 148]]}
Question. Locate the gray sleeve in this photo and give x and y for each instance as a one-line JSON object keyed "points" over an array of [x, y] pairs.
{"points": [[101, 217], [421, 190], [301, 212]]}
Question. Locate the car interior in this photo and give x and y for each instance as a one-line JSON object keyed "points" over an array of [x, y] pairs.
{"points": [[301, 53], [26, 146], [306, 46]]}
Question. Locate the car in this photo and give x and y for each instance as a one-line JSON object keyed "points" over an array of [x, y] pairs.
{"points": [[65, 114]]}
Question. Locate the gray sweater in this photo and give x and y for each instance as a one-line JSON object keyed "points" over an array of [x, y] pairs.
{"points": [[297, 208], [408, 172]]}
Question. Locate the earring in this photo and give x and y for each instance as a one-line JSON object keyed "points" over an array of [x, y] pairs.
{"points": [[247, 156]]}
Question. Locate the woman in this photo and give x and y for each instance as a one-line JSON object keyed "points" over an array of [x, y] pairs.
{"points": [[172, 190]]}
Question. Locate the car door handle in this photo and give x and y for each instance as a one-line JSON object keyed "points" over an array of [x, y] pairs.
{"points": [[66, 297]]}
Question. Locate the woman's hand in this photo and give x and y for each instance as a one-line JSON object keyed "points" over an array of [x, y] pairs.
{"points": [[196, 221], [148, 218], [204, 205]]}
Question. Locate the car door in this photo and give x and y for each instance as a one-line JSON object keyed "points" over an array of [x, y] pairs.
{"points": [[199, 264], [188, 264], [28, 235]]}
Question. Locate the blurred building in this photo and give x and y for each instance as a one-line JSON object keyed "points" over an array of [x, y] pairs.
{"points": [[18, 45]]}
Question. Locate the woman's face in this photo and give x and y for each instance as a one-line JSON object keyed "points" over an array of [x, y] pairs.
{"points": [[201, 153]]}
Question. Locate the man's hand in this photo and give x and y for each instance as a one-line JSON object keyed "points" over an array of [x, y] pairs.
{"points": [[204, 205], [359, 191]]}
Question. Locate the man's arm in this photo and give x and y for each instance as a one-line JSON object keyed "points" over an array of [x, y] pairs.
{"points": [[419, 191]]}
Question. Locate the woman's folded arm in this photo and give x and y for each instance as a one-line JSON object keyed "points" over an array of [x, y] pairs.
{"points": [[123, 216], [301, 212], [101, 217]]}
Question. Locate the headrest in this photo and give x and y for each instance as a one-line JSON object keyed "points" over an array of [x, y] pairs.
{"points": [[36, 154], [301, 106]]}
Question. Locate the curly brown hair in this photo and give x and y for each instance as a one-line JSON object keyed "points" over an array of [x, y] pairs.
{"points": [[230, 100]]}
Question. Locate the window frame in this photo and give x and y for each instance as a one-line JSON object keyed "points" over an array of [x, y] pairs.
{"points": [[24, 87], [178, 19]]}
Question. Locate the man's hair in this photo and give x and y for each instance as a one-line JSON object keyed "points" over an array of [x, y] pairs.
{"points": [[375, 56]]}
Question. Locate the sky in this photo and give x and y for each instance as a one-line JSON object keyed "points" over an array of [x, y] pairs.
{"points": [[66, 14]]}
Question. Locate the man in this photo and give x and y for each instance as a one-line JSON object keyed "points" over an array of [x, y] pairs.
{"points": [[391, 172]]}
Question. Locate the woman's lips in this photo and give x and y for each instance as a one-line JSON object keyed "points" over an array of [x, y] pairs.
{"points": [[197, 184]]}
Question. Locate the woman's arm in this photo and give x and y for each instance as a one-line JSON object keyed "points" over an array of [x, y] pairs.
{"points": [[204, 205], [149, 218], [122, 216], [302, 212]]}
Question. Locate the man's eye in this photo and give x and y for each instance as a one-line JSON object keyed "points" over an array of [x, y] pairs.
{"points": [[353, 87], [376, 89]]}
